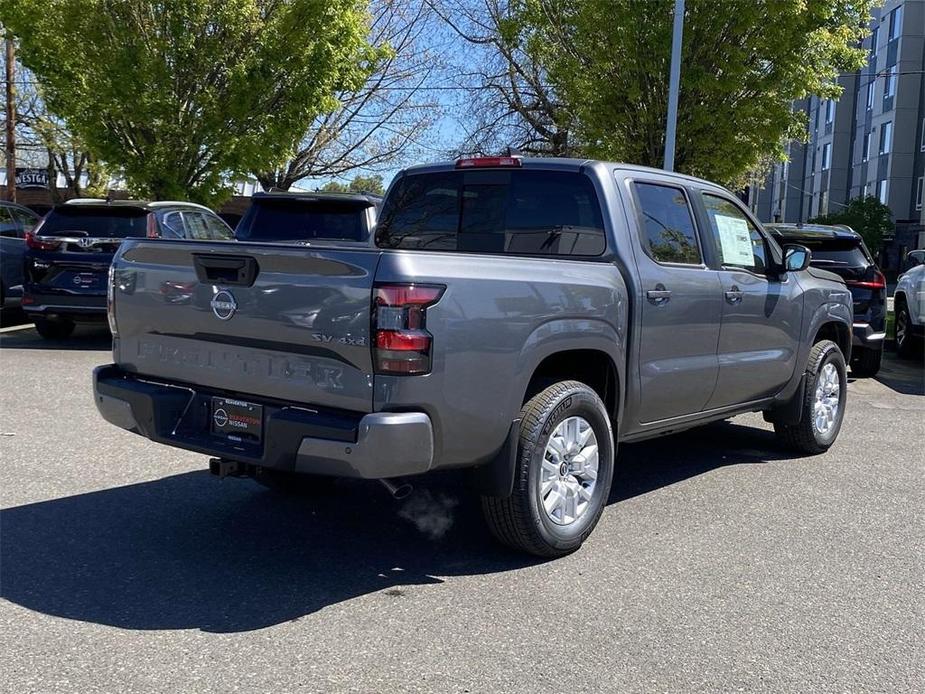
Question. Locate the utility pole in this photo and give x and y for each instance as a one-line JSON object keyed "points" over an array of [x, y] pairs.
{"points": [[674, 84], [10, 122]]}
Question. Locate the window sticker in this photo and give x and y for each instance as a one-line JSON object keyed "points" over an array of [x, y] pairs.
{"points": [[735, 240]]}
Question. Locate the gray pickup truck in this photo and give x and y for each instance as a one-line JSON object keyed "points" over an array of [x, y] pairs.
{"points": [[518, 317]]}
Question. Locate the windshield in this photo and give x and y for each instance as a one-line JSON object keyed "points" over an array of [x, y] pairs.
{"points": [[494, 211], [295, 219], [96, 222]]}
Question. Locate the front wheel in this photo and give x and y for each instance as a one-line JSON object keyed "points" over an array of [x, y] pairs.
{"points": [[563, 475], [823, 402], [903, 329]]}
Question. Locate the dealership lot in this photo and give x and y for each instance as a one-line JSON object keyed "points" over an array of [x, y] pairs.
{"points": [[721, 564]]}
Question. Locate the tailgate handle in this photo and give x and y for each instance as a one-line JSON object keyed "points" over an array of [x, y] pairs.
{"points": [[239, 270]]}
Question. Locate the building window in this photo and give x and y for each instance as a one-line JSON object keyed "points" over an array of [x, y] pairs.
{"points": [[870, 94], [882, 191], [896, 21], [923, 136], [874, 35], [919, 192], [865, 155], [826, 156], [889, 88], [886, 137], [829, 111]]}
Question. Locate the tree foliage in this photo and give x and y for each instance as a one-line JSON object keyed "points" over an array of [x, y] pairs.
{"points": [[743, 63], [360, 184], [867, 216], [183, 94]]}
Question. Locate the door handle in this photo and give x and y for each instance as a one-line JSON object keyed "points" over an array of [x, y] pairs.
{"points": [[734, 295], [659, 295]]}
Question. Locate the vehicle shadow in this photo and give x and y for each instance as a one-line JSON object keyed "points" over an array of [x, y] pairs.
{"points": [[85, 337], [905, 376], [190, 551]]}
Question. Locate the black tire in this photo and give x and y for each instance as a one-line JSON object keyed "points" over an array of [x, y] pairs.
{"points": [[519, 520], [58, 329], [905, 341], [803, 436], [292, 483], [866, 362]]}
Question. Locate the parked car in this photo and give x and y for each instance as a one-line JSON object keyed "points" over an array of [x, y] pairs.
{"points": [[909, 307], [841, 250], [518, 317], [67, 256], [15, 221], [310, 218]]}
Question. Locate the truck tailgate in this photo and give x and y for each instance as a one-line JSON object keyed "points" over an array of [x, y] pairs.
{"points": [[263, 320]]}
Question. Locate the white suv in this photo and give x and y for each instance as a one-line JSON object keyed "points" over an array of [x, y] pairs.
{"points": [[909, 304]]}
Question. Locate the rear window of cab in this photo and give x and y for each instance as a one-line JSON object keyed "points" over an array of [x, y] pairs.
{"points": [[518, 212]]}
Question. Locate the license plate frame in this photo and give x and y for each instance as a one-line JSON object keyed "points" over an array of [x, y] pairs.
{"points": [[236, 419]]}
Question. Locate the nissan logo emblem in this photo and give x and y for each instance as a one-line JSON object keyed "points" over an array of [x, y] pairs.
{"points": [[223, 304]]}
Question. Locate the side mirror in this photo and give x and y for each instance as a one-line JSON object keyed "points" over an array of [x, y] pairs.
{"points": [[796, 258]]}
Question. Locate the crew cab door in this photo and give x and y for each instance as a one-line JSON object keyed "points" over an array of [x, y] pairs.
{"points": [[680, 304], [762, 309]]}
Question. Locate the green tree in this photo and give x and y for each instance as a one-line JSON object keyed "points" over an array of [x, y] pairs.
{"points": [[867, 216], [184, 95], [360, 184], [743, 63]]}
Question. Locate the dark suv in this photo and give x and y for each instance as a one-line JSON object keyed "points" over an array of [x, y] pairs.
{"points": [[841, 250], [67, 255], [344, 219]]}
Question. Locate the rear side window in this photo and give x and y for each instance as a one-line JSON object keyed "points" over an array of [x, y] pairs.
{"points": [[668, 232], [111, 222], [294, 219], [497, 211], [837, 254]]}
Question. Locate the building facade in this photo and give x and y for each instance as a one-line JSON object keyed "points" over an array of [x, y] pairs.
{"points": [[871, 141]]}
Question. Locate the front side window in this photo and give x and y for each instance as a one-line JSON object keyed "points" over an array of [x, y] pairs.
{"points": [[666, 225], [520, 212], [738, 242]]}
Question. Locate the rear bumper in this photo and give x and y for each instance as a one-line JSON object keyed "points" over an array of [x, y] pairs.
{"points": [[867, 335], [374, 446], [77, 306]]}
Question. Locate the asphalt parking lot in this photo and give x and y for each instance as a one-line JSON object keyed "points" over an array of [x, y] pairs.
{"points": [[721, 564]]}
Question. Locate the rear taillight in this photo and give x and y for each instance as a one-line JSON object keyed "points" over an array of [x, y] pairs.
{"points": [[878, 282], [402, 344], [110, 302], [40, 243], [151, 232]]}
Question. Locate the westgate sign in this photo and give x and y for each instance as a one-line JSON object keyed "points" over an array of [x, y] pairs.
{"points": [[31, 178]]}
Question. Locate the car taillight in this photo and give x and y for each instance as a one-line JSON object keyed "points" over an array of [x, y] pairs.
{"points": [[402, 344], [878, 282], [40, 243], [151, 232], [488, 162]]}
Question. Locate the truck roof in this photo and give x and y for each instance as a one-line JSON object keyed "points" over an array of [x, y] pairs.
{"points": [[563, 163]]}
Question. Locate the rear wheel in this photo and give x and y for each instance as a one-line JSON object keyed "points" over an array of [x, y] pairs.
{"points": [[57, 329], [563, 476], [866, 362], [823, 402]]}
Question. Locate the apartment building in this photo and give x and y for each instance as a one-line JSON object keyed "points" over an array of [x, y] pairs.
{"points": [[871, 141]]}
